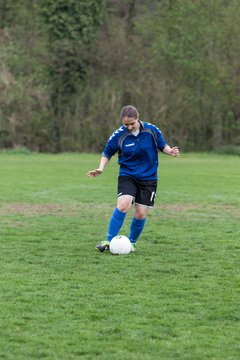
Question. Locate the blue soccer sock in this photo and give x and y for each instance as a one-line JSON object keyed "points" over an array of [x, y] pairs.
{"points": [[136, 228], [115, 224]]}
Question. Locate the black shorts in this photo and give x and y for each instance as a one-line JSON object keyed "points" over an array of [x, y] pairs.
{"points": [[144, 191]]}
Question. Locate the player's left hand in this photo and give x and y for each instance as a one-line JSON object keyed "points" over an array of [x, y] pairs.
{"points": [[175, 151]]}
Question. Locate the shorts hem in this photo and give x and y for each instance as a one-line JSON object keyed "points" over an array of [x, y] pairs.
{"points": [[148, 206]]}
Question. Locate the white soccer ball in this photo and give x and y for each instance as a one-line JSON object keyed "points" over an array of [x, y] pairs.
{"points": [[120, 245]]}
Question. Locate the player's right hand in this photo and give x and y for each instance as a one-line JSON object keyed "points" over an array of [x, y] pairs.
{"points": [[94, 173]]}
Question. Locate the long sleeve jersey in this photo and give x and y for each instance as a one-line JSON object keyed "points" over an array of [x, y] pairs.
{"points": [[137, 155]]}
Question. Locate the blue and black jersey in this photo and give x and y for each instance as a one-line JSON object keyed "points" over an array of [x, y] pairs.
{"points": [[137, 155]]}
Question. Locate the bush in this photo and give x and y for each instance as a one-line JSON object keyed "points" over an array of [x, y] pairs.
{"points": [[228, 150], [17, 150]]}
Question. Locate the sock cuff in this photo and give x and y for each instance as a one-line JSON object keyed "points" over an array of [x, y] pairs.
{"points": [[139, 222], [119, 214]]}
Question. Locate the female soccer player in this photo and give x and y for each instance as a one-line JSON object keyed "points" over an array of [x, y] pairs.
{"points": [[137, 144]]}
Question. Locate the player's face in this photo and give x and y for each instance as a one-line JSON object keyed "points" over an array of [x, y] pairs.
{"points": [[131, 124]]}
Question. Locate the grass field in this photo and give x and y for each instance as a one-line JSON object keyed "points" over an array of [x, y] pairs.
{"points": [[177, 297]]}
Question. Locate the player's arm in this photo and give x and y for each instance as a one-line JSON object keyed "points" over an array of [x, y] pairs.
{"points": [[93, 173], [163, 146], [110, 149], [174, 151]]}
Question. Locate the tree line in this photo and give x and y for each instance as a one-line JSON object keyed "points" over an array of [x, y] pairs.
{"points": [[67, 68]]}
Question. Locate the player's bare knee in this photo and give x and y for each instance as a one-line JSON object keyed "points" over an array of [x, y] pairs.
{"points": [[140, 212], [124, 203], [140, 215], [123, 207]]}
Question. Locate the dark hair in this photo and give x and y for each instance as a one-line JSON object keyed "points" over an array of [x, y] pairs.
{"points": [[129, 111]]}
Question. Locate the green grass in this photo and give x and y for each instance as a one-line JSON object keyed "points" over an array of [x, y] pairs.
{"points": [[176, 298]]}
